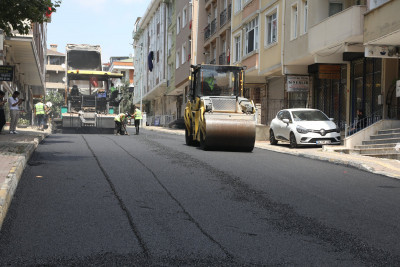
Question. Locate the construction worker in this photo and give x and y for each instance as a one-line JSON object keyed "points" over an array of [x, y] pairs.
{"points": [[40, 111], [120, 123], [137, 116]]}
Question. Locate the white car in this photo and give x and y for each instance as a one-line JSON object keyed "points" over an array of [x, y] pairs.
{"points": [[303, 126]]}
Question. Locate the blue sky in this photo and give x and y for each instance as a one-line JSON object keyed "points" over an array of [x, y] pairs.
{"points": [[108, 23]]}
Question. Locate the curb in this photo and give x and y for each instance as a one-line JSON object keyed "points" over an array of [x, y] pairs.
{"points": [[8, 188]]}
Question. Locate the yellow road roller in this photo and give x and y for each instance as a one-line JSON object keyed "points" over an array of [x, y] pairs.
{"points": [[217, 116]]}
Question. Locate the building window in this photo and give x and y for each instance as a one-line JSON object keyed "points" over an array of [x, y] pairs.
{"points": [[184, 17], [251, 37], [305, 16], [236, 48], [272, 29], [178, 24], [238, 5], [178, 57], [295, 18], [334, 8], [183, 53]]}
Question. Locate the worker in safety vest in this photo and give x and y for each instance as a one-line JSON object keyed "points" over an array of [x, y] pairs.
{"points": [[120, 121], [40, 111], [137, 116]]}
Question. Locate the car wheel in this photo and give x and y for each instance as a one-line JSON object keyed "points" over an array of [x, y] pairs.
{"points": [[272, 139], [293, 142]]}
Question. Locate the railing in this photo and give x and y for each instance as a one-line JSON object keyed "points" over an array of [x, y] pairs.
{"points": [[213, 26], [222, 59], [207, 32], [229, 11], [362, 123], [160, 120], [223, 18]]}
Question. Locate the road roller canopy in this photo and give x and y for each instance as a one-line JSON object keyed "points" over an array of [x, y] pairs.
{"points": [[216, 80]]}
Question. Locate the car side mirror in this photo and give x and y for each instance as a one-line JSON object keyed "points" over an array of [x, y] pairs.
{"points": [[286, 121]]}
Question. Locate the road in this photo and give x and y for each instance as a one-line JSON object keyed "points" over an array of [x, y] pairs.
{"points": [[151, 200]]}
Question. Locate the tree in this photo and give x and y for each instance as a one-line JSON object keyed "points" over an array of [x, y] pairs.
{"points": [[57, 101], [17, 15]]}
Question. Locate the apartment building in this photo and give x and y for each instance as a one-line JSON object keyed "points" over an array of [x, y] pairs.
{"points": [[124, 66], [150, 45], [23, 61], [55, 70]]}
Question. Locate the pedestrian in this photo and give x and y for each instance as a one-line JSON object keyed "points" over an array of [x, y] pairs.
{"points": [[120, 123], [137, 116], [14, 102], [2, 114], [40, 112]]}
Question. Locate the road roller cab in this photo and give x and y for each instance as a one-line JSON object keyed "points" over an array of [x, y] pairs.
{"points": [[217, 115]]}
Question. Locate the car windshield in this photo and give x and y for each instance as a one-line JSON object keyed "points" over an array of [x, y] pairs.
{"points": [[309, 115]]}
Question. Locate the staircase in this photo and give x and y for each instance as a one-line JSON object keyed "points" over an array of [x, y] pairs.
{"points": [[381, 145]]}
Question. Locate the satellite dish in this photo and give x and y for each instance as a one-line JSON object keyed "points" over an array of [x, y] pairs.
{"points": [[49, 104]]}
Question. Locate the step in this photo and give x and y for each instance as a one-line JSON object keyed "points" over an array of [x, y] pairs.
{"points": [[380, 151], [381, 141], [375, 146], [385, 156], [385, 136], [388, 131]]}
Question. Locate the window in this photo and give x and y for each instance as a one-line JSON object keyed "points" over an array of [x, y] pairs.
{"points": [[184, 17], [183, 53], [305, 16], [335, 8], [294, 21], [178, 24], [178, 57], [272, 29], [236, 48], [251, 37], [238, 5]]}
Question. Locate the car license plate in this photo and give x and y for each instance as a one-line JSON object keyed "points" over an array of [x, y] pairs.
{"points": [[323, 142]]}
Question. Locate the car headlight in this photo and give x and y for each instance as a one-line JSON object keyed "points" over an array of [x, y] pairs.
{"points": [[301, 129]]}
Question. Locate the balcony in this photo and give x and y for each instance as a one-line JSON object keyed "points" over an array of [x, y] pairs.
{"points": [[223, 18], [213, 26], [207, 32], [382, 24], [222, 59], [345, 26]]}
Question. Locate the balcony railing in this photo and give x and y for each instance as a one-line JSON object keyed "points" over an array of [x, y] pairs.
{"points": [[213, 26], [207, 32], [229, 11], [223, 18], [222, 59]]}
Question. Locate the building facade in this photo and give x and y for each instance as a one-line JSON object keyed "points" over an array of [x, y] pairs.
{"points": [[338, 56], [55, 70], [23, 58]]}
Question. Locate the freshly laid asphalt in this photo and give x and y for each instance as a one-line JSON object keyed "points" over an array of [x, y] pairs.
{"points": [[16, 149]]}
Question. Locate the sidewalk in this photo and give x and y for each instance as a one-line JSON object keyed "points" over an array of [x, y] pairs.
{"points": [[15, 151], [386, 167]]}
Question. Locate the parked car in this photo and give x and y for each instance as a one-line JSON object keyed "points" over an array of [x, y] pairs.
{"points": [[303, 126]]}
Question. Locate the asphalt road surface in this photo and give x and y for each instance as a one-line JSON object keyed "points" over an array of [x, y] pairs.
{"points": [[150, 200]]}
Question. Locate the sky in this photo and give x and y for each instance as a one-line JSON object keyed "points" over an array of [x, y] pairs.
{"points": [[108, 23]]}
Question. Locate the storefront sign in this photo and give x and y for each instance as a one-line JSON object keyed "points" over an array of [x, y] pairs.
{"points": [[6, 73], [297, 83], [329, 72]]}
